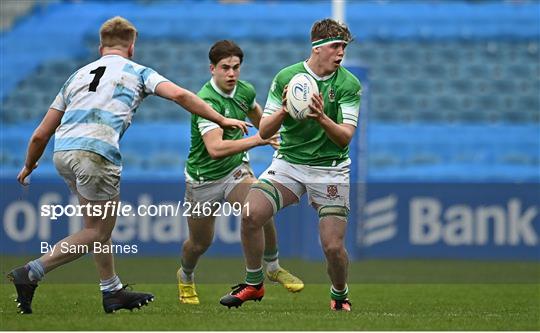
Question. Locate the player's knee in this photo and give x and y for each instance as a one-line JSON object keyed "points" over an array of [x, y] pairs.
{"points": [[333, 248], [200, 247], [104, 237], [197, 245], [99, 236], [252, 219]]}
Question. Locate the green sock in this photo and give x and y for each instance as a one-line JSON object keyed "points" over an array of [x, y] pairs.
{"points": [[339, 295], [254, 276], [270, 255]]}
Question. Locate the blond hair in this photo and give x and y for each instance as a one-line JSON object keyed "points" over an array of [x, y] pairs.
{"points": [[117, 31]]}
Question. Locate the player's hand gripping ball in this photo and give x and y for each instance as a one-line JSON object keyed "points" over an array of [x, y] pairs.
{"points": [[301, 89]]}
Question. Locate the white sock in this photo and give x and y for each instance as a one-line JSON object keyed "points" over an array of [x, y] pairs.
{"points": [[272, 266], [110, 285], [185, 277]]}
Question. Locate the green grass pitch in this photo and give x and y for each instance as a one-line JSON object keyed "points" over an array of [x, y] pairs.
{"points": [[389, 295]]}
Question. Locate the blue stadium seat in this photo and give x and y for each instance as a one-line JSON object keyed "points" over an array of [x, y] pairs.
{"points": [[455, 71], [383, 159]]}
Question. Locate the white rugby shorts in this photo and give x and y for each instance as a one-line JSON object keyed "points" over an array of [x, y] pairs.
{"points": [[324, 185], [88, 174], [215, 190]]}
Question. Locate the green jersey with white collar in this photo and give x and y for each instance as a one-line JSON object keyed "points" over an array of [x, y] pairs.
{"points": [[200, 166], [305, 142]]}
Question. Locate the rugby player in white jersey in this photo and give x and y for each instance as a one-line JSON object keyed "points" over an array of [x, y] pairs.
{"points": [[88, 117], [313, 158]]}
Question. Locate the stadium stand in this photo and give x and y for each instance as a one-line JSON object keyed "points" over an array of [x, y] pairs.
{"points": [[13, 10], [452, 96]]}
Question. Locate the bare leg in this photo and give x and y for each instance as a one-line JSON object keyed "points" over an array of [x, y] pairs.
{"points": [[257, 212], [95, 229], [270, 236], [253, 220], [105, 263], [239, 194], [270, 253], [252, 233], [332, 233], [201, 234]]}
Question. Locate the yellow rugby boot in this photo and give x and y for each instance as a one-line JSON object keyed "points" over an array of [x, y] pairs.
{"points": [[286, 279], [186, 292]]}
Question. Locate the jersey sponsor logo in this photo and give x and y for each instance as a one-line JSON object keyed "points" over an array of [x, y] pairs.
{"points": [[271, 172], [332, 95], [332, 191], [380, 224], [227, 113]]}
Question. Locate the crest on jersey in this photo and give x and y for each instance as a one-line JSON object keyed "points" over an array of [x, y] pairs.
{"points": [[237, 174], [331, 191], [332, 95]]}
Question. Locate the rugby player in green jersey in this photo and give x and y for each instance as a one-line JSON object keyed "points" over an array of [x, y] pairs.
{"points": [[313, 158], [217, 168]]}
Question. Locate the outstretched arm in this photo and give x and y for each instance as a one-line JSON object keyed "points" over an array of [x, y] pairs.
{"points": [[218, 148], [38, 142], [194, 104]]}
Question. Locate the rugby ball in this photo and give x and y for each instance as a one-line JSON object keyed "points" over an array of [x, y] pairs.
{"points": [[301, 89]]}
